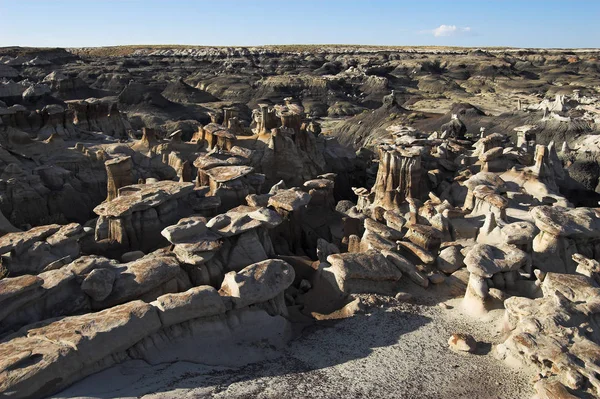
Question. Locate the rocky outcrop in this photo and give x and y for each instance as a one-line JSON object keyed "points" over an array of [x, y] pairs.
{"points": [[136, 217], [119, 174], [40, 249], [89, 283], [492, 267], [80, 118], [545, 333], [94, 115], [40, 359], [207, 250], [227, 242], [564, 232], [399, 177]]}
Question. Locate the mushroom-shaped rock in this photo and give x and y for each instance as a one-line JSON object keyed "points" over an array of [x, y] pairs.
{"points": [[139, 197], [258, 282], [196, 302], [194, 242], [566, 222], [222, 174], [563, 232], [319, 184], [488, 200], [488, 142], [586, 266], [196, 253], [486, 260]]}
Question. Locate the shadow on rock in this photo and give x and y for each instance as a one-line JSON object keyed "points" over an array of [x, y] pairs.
{"points": [[321, 345]]}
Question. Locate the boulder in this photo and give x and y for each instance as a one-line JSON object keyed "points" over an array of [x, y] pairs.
{"points": [[19, 242], [462, 342], [416, 251], [545, 333], [98, 284], [241, 219], [196, 302], [382, 230], [519, 233], [564, 232], [363, 272], [257, 283], [450, 259]]}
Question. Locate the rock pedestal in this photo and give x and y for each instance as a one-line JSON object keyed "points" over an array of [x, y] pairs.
{"points": [[135, 218], [229, 184], [119, 174], [292, 121], [265, 119], [563, 233], [149, 137], [228, 114], [400, 176]]}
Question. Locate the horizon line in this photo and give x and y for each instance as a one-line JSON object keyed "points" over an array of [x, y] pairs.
{"points": [[388, 46]]}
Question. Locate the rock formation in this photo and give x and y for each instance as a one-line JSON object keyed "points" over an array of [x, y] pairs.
{"points": [[400, 176], [209, 205]]}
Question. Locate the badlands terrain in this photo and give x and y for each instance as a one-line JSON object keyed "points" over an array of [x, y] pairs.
{"points": [[299, 221]]}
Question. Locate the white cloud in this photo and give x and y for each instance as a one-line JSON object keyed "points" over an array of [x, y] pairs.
{"points": [[450, 30]]}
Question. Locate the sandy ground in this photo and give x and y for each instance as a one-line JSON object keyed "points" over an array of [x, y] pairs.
{"points": [[396, 350]]}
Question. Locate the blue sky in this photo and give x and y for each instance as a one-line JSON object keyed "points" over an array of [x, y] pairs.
{"points": [[86, 23]]}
